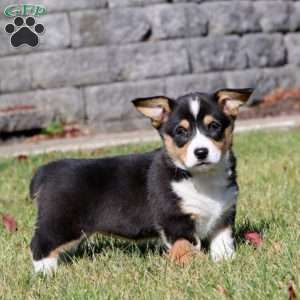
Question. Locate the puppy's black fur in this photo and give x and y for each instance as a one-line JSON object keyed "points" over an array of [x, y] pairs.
{"points": [[77, 196]]}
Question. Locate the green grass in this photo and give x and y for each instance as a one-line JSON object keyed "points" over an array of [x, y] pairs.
{"points": [[269, 177]]}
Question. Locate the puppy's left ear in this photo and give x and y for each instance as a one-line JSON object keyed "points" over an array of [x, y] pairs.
{"points": [[156, 108], [231, 99]]}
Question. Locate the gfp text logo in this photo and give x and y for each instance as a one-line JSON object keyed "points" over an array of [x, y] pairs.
{"points": [[22, 10]]}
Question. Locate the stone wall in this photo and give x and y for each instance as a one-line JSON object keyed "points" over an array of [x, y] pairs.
{"points": [[97, 55]]}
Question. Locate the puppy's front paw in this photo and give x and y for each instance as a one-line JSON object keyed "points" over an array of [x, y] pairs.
{"points": [[222, 246], [223, 253], [182, 252]]}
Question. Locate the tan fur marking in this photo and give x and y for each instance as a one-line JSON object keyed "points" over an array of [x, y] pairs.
{"points": [[231, 101], [232, 95], [182, 252], [226, 142], [148, 107], [64, 247], [68, 246], [175, 152], [194, 217], [185, 124], [208, 119]]}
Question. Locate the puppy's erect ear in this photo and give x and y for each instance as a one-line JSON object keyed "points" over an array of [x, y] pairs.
{"points": [[231, 99], [156, 108]]}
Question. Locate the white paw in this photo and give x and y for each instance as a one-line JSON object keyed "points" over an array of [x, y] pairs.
{"points": [[222, 246], [46, 265], [224, 253]]}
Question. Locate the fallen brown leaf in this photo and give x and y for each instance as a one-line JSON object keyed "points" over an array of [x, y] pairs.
{"points": [[22, 157], [291, 292], [9, 223], [254, 238]]}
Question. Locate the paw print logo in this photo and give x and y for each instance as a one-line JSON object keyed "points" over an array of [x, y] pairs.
{"points": [[24, 32]]}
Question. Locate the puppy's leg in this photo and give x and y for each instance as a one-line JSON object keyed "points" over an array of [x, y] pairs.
{"points": [[46, 247], [178, 234], [182, 252], [222, 244]]}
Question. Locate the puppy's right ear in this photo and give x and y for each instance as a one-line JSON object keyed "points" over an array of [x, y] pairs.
{"points": [[156, 108]]}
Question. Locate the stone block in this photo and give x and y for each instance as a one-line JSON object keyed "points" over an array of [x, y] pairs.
{"points": [[294, 16], [57, 32], [207, 83], [149, 60], [273, 15], [110, 105], [37, 109], [117, 26], [216, 53], [292, 42], [168, 21], [15, 74], [264, 50], [197, 20], [69, 67], [176, 21], [231, 17], [284, 77]]}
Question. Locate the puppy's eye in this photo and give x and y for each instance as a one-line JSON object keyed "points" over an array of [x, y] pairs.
{"points": [[181, 131], [214, 126]]}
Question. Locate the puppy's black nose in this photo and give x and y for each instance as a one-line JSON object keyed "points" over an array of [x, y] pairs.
{"points": [[201, 153]]}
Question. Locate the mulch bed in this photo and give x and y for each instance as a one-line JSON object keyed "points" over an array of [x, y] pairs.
{"points": [[280, 102]]}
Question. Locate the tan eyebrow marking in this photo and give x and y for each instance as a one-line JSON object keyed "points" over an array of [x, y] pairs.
{"points": [[185, 124], [226, 142], [208, 119], [175, 152]]}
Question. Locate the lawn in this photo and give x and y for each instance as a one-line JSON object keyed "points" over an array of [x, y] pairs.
{"points": [[103, 268]]}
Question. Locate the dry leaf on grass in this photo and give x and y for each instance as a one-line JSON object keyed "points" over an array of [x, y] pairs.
{"points": [[22, 157], [9, 222], [254, 238], [291, 292]]}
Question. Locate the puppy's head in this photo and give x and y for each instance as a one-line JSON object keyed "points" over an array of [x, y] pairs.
{"points": [[196, 128]]}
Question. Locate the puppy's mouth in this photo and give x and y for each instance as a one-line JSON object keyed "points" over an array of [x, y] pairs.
{"points": [[203, 163]]}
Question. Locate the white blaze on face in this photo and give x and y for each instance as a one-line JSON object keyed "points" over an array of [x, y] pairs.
{"points": [[194, 107], [201, 141]]}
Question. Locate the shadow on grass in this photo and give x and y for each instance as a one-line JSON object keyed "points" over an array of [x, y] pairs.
{"points": [[91, 248], [99, 245]]}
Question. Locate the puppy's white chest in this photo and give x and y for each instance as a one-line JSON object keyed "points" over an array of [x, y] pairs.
{"points": [[206, 198]]}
